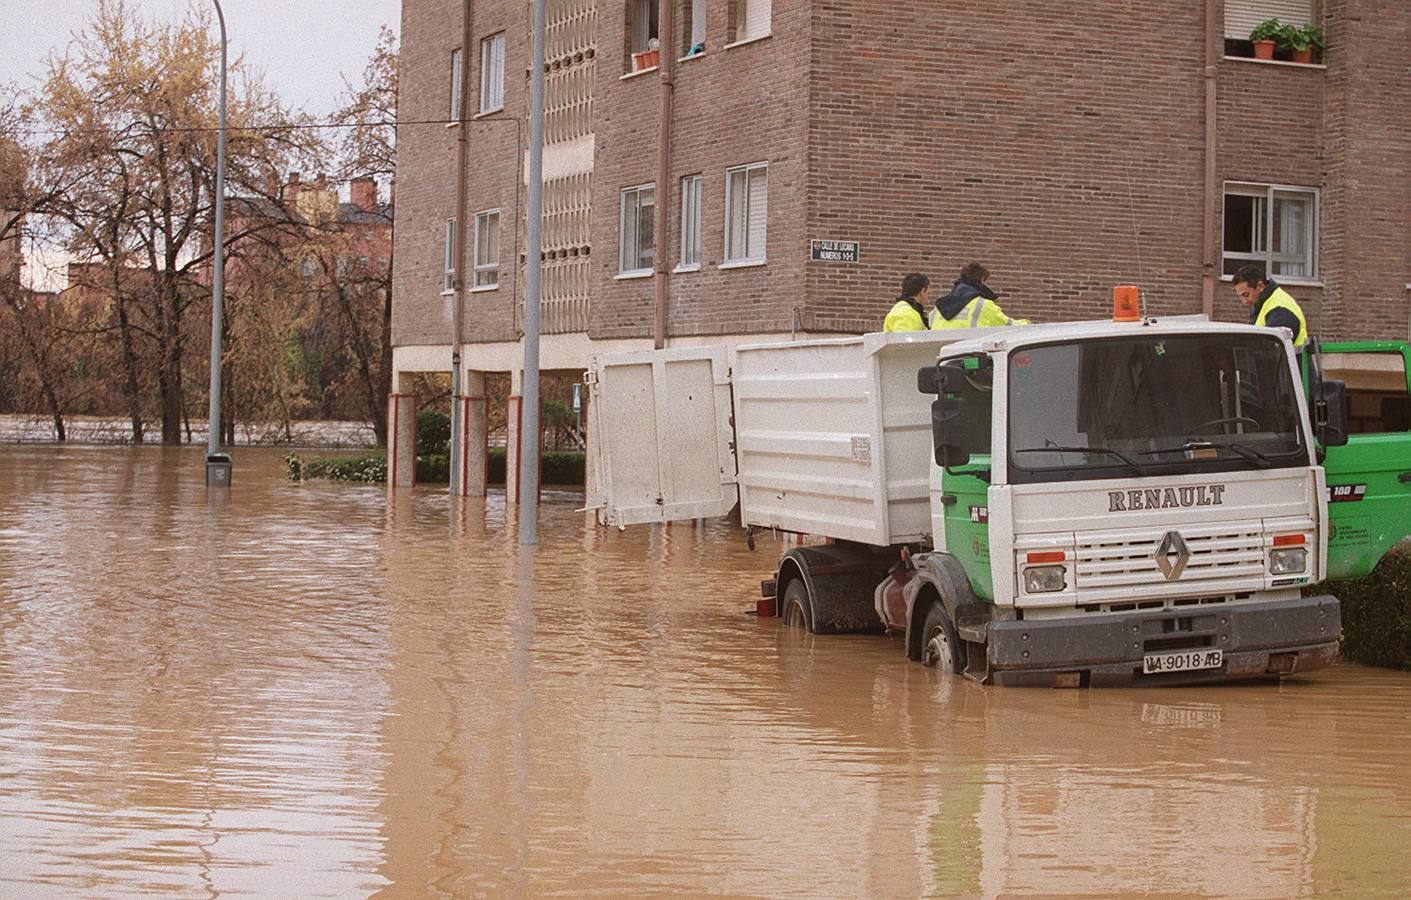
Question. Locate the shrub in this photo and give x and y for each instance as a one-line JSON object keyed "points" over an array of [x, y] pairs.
{"points": [[558, 467], [1376, 613], [433, 433]]}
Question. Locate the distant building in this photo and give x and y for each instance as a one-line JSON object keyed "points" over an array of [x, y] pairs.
{"points": [[1068, 146]]}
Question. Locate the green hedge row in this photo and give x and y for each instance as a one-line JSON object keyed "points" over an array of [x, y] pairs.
{"points": [[557, 467], [1376, 613]]}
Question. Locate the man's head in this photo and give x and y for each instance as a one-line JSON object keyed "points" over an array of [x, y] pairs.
{"points": [[1250, 282], [975, 273], [915, 286]]}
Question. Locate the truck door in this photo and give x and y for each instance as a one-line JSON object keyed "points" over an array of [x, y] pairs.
{"points": [[660, 436], [1369, 478]]}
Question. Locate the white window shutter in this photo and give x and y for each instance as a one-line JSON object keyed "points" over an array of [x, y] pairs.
{"points": [[1242, 15], [758, 213], [757, 19]]}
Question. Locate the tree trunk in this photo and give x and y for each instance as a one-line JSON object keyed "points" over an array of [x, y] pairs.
{"points": [[129, 363]]}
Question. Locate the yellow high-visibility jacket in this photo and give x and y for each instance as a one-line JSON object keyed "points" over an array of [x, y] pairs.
{"points": [[905, 315]]}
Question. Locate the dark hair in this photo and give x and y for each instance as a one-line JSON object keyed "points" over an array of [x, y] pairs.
{"points": [[1250, 274], [914, 283], [973, 271]]}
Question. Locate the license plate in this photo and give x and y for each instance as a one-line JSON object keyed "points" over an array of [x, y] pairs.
{"points": [[1182, 661]]}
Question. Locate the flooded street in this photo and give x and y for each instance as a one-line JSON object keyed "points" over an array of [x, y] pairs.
{"points": [[315, 690]]}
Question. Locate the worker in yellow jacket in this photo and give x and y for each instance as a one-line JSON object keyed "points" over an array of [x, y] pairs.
{"points": [[909, 312], [1269, 305], [971, 303]]}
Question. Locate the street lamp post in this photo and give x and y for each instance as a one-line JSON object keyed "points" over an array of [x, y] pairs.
{"points": [[218, 464]]}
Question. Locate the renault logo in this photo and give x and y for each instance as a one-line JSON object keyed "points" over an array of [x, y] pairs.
{"points": [[1172, 555]]}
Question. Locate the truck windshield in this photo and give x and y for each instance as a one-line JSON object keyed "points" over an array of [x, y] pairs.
{"points": [[1159, 404]]}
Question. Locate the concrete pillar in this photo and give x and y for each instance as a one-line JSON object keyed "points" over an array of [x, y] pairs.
{"points": [[468, 449], [513, 412], [401, 440]]}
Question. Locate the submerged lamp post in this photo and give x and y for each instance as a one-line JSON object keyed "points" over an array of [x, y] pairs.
{"points": [[218, 464]]}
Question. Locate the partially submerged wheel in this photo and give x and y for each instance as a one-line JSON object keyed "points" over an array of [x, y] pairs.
{"points": [[940, 646], [796, 612]]}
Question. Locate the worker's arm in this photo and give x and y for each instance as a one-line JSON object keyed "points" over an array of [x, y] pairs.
{"points": [[992, 315], [1282, 318]]}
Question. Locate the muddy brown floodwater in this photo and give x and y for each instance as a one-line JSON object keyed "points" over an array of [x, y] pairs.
{"points": [[315, 690]]}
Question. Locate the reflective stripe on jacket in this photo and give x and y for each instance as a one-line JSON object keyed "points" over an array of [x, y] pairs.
{"points": [[905, 315], [1277, 298], [978, 313]]}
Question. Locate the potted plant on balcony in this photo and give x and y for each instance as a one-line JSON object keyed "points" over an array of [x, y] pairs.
{"points": [[1264, 36], [1300, 40]]}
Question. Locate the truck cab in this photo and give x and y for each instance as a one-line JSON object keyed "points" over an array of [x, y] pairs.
{"points": [[1127, 501]]}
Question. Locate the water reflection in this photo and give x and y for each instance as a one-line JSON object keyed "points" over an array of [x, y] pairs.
{"points": [[322, 690]]}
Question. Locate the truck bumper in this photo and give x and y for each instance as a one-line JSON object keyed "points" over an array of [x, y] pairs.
{"points": [[1259, 640]]}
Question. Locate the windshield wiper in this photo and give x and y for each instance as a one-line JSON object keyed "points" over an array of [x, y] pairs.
{"points": [[1249, 453], [1136, 466]]}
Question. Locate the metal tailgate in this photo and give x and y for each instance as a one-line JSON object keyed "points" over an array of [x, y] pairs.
{"points": [[661, 438]]}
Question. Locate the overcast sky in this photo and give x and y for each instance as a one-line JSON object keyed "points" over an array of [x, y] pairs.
{"points": [[305, 47]]}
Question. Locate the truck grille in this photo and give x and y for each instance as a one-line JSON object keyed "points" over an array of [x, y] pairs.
{"points": [[1110, 564]]}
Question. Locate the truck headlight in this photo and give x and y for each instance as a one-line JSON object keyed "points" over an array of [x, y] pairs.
{"points": [[1288, 562], [1045, 579]]}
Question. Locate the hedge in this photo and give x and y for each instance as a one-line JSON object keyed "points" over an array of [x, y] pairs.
{"points": [[558, 467], [1376, 612]]}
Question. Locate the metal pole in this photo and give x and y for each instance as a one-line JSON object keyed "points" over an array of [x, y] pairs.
{"points": [[529, 411], [218, 464]]}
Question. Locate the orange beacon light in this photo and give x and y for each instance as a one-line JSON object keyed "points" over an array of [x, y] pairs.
{"points": [[1126, 303]]}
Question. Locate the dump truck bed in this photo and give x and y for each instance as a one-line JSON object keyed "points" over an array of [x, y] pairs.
{"points": [[827, 437]]}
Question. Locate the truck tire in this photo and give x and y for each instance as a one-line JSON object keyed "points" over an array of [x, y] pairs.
{"points": [[796, 611], [940, 646]]}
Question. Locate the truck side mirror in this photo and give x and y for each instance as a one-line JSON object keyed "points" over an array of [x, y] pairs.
{"points": [[928, 380], [946, 421], [1330, 412]]}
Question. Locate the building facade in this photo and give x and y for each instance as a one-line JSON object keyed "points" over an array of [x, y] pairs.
{"points": [[697, 149]]}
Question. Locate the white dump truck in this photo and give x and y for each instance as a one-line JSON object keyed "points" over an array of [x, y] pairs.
{"points": [[1073, 504]]}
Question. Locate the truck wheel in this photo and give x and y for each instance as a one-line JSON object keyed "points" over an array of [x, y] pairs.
{"points": [[940, 647], [796, 605]]}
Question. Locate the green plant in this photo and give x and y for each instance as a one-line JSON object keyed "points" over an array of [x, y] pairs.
{"points": [[1268, 30], [433, 433], [1300, 37], [1376, 612]]}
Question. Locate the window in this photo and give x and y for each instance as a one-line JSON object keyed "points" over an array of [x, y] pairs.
{"points": [[749, 19], [642, 25], [448, 280], [1377, 397], [746, 209], [694, 32], [492, 73], [636, 244], [487, 249], [457, 79], [1242, 15], [1273, 225], [691, 222]]}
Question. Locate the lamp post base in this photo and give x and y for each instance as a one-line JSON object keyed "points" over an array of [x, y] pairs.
{"points": [[218, 466]]}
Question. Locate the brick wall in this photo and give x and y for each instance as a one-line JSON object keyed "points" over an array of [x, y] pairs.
{"points": [[1062, 144], [733, 106], [1059, 143]]}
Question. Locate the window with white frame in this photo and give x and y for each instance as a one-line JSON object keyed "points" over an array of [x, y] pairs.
{"points": [[691, 222], [636, 241], [746, 212], [448, 279], [487, 249], [749, 19], [1275, 225], [492, 73], [457, 79]]}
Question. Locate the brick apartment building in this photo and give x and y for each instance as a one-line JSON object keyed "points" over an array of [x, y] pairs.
{"points": [[1068, 146]]}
